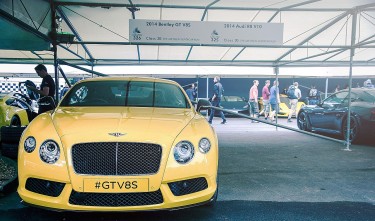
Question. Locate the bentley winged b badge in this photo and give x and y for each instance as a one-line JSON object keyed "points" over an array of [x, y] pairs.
{"points": [[117, 134]]}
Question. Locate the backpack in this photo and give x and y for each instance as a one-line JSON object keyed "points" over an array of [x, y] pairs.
{"points": [[291, 92], [313, 92]]}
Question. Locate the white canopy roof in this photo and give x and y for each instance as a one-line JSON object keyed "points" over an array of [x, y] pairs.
{"points": [[317, 33]]}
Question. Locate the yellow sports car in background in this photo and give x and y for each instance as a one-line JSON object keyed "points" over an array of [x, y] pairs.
{"points": [[18, 109], [119, 144], [13, 110], [284, 106]]}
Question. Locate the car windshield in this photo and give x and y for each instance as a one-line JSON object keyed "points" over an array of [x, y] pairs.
{"points": [[125, 93], [232, 98], [368, 96], [337, 98]]}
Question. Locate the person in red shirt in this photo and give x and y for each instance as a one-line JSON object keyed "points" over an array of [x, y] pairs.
{"points": [[253, 101], [266, 99]]}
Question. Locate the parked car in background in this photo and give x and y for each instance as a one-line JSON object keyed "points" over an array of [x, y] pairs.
{"points": [[330, 116], [119, 144], [284, 106], [234, 104], [17, 110]]}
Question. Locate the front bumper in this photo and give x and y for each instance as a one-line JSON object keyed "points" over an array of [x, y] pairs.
{"points": [[169, 199]]}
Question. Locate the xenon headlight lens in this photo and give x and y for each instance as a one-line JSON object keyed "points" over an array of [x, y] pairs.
{"points": [[30, 144], [183, 152], [204, 145], [49, 151]]}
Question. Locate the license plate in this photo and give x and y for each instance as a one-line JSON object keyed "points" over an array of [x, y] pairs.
{"points": [[115, 185]]}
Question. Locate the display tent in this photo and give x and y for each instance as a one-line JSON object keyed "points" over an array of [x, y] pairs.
{"points": [[317, 33], [93, 36]]}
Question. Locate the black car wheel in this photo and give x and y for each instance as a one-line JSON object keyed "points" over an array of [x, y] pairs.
{"points": [[354, 129], [303, 122], [15, 121]]}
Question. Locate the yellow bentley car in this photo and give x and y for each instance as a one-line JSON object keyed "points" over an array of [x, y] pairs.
{"points": [[119, 144]]}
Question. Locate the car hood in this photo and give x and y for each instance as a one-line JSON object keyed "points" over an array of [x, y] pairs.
{"points": [[89, 124]]}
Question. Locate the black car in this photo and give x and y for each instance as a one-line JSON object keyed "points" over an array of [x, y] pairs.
{"points": [[330, 116], [235, 104]]}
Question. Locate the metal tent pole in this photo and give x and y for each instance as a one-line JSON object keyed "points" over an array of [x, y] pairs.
{"points": [[207, 87], [326, 91], [276, 70], [352, 50], [54, 48]]}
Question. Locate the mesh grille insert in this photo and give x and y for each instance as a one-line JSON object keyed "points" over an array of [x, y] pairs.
{"points": [[112, 158], [44, 187], [184, 187], [116, 199]]}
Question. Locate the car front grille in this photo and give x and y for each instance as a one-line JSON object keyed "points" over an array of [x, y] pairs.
{"points": [[116, 158], [116, 199]]}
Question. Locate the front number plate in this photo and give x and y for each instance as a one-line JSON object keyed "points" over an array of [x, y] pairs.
{"points": [[115, 185]]}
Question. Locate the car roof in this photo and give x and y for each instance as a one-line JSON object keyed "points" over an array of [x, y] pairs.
{"points": [[360, 89], [131, 78]]}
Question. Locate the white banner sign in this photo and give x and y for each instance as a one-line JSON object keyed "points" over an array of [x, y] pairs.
{"points": [[205, 32]]}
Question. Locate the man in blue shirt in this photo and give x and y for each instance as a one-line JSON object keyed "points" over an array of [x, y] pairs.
{"points": [[274, 100], [216, 99], [192, 92]]}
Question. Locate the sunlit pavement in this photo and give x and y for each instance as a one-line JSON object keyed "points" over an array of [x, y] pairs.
{"points": [[264, 174]]}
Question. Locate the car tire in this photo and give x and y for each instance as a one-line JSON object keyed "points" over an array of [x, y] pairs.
{"points": [[354, 129], [11, 134], [15, 121], [9, 150], [303, 122]]}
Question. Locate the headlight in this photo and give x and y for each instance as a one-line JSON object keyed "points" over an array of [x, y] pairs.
{"points": [[29, 144], [49, 151], [204, 145], [183, 152]]}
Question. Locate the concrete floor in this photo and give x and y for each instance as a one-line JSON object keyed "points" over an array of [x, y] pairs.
{"points": [[264, 174]]}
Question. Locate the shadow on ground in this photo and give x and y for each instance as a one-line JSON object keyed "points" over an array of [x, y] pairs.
{"points": [[223, 210]]}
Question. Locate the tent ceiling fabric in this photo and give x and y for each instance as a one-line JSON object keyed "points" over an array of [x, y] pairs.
{"points": [[316, 32]]}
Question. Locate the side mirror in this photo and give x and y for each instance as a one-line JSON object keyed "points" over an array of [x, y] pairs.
{"points": [[203, 104], [10, 101]]}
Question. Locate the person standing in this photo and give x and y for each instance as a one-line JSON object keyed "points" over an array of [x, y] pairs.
{"points": [[313, 96], [253, 101], [64, 90], [274, 100], [337, 89], [294, 94], [192, 92], [216, 99], [47, 87], [266, 99]]}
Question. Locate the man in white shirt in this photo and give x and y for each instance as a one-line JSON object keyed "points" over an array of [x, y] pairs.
{"points": [[294, 100]]}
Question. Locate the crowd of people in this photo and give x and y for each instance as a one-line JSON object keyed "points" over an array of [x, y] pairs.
{"points": [[270, 98]]}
